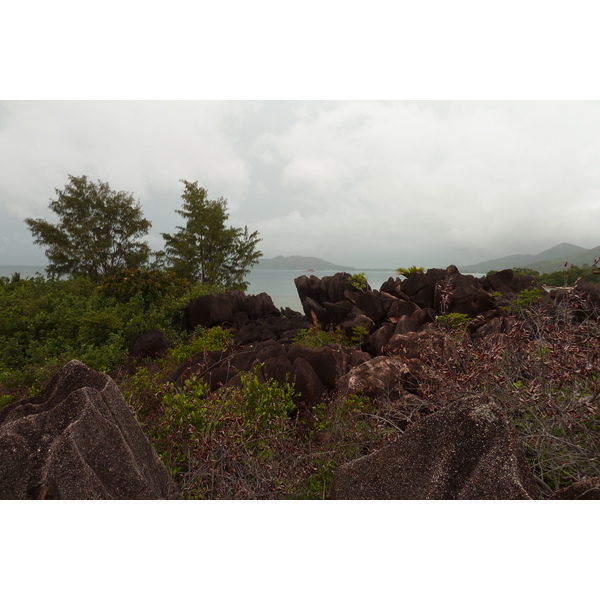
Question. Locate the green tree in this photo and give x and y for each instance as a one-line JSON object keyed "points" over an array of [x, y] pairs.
{"points": [[98, 234], [205, 249]]}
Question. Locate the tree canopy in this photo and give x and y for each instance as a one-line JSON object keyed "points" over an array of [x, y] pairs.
{"points": [[99, 231], [205, 250]]}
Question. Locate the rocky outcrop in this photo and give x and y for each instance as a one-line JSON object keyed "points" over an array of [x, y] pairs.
{"points": [[409, 303], [236, 309], [78, 440], [314, 371], [506, 282], [467, 450]]}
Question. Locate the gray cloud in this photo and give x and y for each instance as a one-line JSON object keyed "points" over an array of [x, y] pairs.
{"points": [[357, 183]]}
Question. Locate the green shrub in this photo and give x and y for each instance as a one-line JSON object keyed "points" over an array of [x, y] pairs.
{"points": [[203, 339], [519, 302], [200, 433], [153, 285], [315, 337], [453, 320], [45, 323], [359, 281], [409, 271]]}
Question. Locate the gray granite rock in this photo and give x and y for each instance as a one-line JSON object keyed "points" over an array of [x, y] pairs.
{"points": [[78, 440]]}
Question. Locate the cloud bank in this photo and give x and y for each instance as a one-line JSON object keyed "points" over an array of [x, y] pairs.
{"points": [[366, 184]]}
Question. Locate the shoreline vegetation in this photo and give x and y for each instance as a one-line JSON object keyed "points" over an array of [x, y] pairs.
{"points": [[251, 440]]}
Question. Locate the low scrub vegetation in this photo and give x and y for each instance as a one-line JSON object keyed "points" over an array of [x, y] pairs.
{"points": [[250, 440], [544, 371], [566, 277]]}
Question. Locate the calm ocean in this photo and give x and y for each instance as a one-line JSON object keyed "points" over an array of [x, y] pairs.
{"points": [[278, 284]]}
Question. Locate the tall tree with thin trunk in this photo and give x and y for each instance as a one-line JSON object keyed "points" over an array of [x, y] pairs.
{"points": [[98, 234], [205, 249]]}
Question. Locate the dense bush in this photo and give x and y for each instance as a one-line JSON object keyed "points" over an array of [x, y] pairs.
{"points": [[153, 285], [570, 275], [45, 323]]}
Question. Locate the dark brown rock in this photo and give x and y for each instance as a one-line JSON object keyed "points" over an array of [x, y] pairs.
{"points": [[418, 288], [423, 316], [218, 309], [260, 306], [589, 489], [328, 362], [502, 281], [462, 294], [370, 304], [505, 282], [380, 337], [349, 325], [78, 440], [150, 344], [315, 313], [208, 311], [427, 341], [405, 325], [395, 308], [468, 450], [336, 312], [392, 286], [307, 383], [278, 368], [328, 289]]}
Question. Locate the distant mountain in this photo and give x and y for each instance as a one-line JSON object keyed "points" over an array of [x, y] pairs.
{"points": [[550, 260], [299, 263]]}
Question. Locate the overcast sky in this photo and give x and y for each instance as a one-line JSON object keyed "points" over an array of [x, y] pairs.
{"points": [[364, 184], [359, 183]]}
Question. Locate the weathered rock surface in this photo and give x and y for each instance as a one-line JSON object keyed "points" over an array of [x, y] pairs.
{"points": [[149, 344], [381, 376], [467, 450], [582, 490], [236, 309], [78, 440], [314, 371]]}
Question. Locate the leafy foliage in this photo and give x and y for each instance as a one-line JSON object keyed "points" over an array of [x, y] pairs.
{"points": [[153, 285], [45, 323], [519, 302], [453, 320], [315, 337], [99, 231], [204, 249], [570, 275], [359, 281], [406, 272]]}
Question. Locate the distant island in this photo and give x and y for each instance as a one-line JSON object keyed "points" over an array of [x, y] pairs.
{"points": [[548, 261], [300, 263]]}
